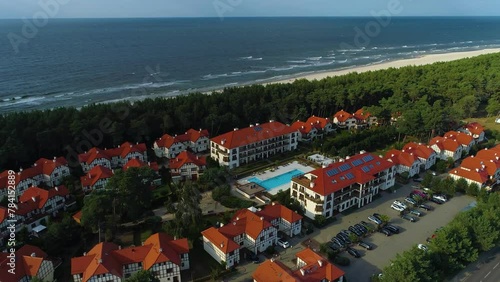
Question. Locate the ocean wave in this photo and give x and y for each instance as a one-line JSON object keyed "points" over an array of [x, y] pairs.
{"points": [[314, 58], [29, 100], [297, 62], [249, 58]]}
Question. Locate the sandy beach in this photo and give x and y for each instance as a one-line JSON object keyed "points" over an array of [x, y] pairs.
{"points": [[424, 60]]}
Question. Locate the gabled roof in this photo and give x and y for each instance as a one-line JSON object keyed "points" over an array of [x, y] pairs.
{"points": [[93, 154], [475, 128], [342, 116], [121, 151], [3, 214], [420, 150], [78, 217], [476, 175], [186, 157], [489, 154], [95, 174], [473, 163], [4, 177], [223, 243], [305, 127], [462, 138], [245, 221], [444, 143], [109, 258], [28, 261], [276, 210], [401, 157], [127, 148], [323, 122], [139, 163], [40, 196], [360, 168], [48, 166], [361, 115], [317, 267], [250, 135], [273, 271], [166, 141]]}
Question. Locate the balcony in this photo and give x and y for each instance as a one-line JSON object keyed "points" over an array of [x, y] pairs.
{"points": [[319, 209], [316, 200], [224, 153]]}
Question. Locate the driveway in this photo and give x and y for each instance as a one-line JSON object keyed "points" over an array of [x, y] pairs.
{"points": [[386, 248]]}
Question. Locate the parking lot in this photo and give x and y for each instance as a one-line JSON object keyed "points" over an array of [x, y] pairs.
{"points": [[386, 248]]}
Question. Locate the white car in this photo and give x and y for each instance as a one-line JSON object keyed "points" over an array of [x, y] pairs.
{"points": [[440, 197], [283, 244], [397, 207], [400, 204], [423, 247]]}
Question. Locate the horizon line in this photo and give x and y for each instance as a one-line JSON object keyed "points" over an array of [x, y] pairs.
{"points": [[239, 17]]}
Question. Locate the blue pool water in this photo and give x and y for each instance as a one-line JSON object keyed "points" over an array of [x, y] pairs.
{"points": [[282, 179]]}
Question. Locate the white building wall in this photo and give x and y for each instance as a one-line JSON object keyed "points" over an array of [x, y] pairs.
{"points": [[219, 256], [101, 161]]}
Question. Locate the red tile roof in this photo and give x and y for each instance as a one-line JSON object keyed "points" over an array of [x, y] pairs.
{"points": [[121, 151], [489, 154], [186, 157], [342, 174], [109, 258], [361, 115], [446, 144], [139, 163], [462, 138], [273, 271], [223, 243], [475, 128], [420, 150], [480, 176], [128, 148], [317, 267], [95, 174], [245, 221], [78, 216], [93, 154], [250, 135], [490, 165], [305, 127], [28, 261], [276, 210], [323, 122], [48, 166], [40, 196], [3, 214], [166, 141], [342, 116], [401, 157]]}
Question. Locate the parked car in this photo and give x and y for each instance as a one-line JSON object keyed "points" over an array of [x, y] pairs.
{"points": [[423, 247], [338, 241], [410, 201], [408, 217], [416, 212], [418, 179], [385, 232], [377, 215], [353, 252], [437, 201], [355, 231], [365, 245], [364, 223], [392, 228], [374, 219], [425, 207], [397, 207], [420, 193], [334, 246], [254, 258], [399, 203], [441, 197], [388, 230], [283, 244], [362, 228]]}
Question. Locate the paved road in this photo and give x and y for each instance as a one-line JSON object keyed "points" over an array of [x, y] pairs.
{"points": [[486, 269], [386, 248]]}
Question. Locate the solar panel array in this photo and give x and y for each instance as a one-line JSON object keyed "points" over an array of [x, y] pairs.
{"points": [[349, 175], [344, 167], [357, 162], [257, 128], [367, 158], [365, 169], [332, 172]]}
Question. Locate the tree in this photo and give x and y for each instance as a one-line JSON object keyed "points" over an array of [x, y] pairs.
{"points": [[441, 166], [412, 265], [143, 276], [66, 233], [95, 209], [427, 181], [461, 185], [188, 215], [473, 189]]}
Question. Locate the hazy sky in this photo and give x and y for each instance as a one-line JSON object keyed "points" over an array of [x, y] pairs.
{"points": [[236, 8]]}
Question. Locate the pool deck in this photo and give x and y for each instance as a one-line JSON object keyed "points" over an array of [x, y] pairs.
{"points": [[279, 170]]}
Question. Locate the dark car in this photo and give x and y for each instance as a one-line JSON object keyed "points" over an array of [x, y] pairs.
{"points": [[355, 231], [353, 252], [408, 217], [364, 223], [425, 207], [385, 232], [334, 246], [365, 245], [437, 201], [254, 258], [392, 228], [338, 241], [362, 228], [377, 215]]}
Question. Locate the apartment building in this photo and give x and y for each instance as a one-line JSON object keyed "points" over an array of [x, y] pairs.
{"points": [[341, 185], [170, 146], [404, 161], [113, 158], [259, 141]]}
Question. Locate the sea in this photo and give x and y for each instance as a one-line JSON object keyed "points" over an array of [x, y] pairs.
{"points": [[76, 62]]}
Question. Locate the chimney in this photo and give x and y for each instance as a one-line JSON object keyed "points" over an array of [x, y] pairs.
{"points": [[271, 120], [142, 243], [84, 253], [257, 124], [100, 261], [33, 255], [235, 129], [160, 250], [57, 189], [119, 247], [262, 218], [312, 184], [274, 203], [251, 125], [237, 218], [477, 169], [320, 263], [33, 198], [234, 222], [348, 157], [303, 272], [222, 245]]}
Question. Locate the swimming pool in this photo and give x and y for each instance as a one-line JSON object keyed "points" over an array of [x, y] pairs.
{"points": [[279, 180]]}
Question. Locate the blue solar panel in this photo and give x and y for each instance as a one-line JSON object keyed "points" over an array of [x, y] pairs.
{"points": [[344, 167], [367, 158], [371, 166], [357, 162], [332, 172], [365, 169], [257, 128], [349, 175]]}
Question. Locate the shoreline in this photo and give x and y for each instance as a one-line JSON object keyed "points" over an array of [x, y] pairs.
{"points": [[419, 61]]}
